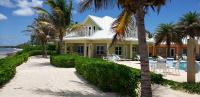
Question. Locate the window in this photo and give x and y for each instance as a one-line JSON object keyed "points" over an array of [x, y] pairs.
{"points": [[94, 28], [184, 52], [159, 50], [80, 50], [100, 50], [134, 49], [118, 50], [89, 31]]}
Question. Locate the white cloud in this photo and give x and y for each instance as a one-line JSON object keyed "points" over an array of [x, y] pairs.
{"points": [[7, 3], [3, 17], [24, 12], [74, 12], [25, 7], [78, 1]]}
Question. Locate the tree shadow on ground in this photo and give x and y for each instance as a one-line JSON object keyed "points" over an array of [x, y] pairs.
{"points": [[68, 93]]}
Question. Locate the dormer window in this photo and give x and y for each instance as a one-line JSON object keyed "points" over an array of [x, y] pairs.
{"points": [[94, 28], [89, 31]]}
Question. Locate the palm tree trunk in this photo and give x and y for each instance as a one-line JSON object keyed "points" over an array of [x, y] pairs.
{"points": [[191, 60], [60, 43], [145, 73], [168, 48], [44, 50]]}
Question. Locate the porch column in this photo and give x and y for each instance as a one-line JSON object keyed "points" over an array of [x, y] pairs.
{"points": [[153, 51], [131, 50], [90, 50], [85, 50], [107, 49]]}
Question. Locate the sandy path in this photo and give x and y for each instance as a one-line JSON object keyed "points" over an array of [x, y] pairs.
{"points": [[37, 78]]}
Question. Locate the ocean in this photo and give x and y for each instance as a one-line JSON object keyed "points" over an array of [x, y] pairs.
{"points": [[5, 51]]}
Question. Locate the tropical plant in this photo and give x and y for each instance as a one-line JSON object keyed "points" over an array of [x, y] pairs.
{"points": [[60, 14], [132, 11], [167, 33], [150, 35], [189, 26], [40, 28]]}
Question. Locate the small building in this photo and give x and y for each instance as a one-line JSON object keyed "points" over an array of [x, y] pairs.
{"points": [[96, 37], [175, 49]]}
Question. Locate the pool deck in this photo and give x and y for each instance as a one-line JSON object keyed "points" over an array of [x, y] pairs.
{"points": [[182, 77]]}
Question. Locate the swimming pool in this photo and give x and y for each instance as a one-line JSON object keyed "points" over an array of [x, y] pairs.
{"points": [[183, 65]]}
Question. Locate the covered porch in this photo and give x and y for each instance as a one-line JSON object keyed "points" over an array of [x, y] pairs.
{"points": [[100, 48]]}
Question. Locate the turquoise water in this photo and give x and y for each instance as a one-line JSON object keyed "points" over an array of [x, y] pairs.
{"points": [[182, 65]]}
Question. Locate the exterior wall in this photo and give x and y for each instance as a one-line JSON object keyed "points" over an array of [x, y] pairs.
{"points": [[127, 51], [179, 50]]}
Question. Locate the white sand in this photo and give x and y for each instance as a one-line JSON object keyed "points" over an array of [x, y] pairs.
{"points": [[37, 78]]}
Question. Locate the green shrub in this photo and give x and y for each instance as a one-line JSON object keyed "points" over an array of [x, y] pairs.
{"points": [[8, 65], [62, 61], [51, 47], [108, 76], [112, 77], [188, 87]]}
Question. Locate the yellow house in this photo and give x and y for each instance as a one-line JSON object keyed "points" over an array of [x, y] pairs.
{"points": [[95, 39]]}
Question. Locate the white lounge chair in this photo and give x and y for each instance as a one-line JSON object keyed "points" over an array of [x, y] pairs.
{"points": [[152, 64], [184, 57], [161, 66], [159, 57], [176, 67], [173, 67]]}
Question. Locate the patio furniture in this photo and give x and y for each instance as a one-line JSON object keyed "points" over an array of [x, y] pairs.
{"points": [[161, 66], [138, 57], [176, 67], [184, 57], [152, 64], [170, 64], [159, 57]]}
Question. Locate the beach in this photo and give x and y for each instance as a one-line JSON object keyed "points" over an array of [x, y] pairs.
{"points": [[5, 51]]}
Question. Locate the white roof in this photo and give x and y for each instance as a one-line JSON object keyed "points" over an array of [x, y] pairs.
{"points": [[105, 24]]}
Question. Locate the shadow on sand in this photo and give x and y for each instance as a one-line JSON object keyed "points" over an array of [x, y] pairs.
{"points": [[68, 93]]}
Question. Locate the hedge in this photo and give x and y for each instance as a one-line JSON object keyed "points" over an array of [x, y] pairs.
{"points": [[108, 76], [8, 65], [63, 61]]}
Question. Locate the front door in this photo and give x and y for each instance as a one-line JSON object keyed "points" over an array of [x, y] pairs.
{"points": [[172, 52]]}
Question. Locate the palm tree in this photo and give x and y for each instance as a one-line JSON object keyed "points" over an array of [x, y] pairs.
{"points": [[167, 33], [189, 26], [132, 11], [39, 29], [150, 35], [60, 14]]}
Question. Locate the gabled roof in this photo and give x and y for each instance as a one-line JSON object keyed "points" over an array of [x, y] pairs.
{"points": [[105, 33], [104, 23]]}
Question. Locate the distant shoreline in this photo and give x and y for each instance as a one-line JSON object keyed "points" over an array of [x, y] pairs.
{"points": [[8, 46], [5, 53]]}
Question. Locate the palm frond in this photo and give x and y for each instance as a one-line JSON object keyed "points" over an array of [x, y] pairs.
{"points": [[95, 4], [121, 25]]}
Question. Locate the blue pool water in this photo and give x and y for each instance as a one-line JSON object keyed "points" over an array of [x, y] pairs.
{"points": [[182, 65]]}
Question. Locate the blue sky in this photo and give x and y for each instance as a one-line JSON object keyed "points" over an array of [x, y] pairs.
{"points": [[15, 15]]}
